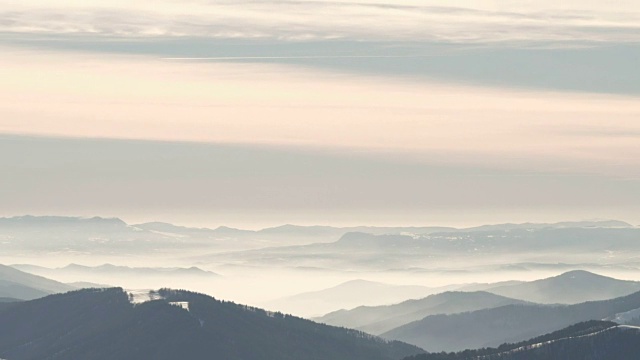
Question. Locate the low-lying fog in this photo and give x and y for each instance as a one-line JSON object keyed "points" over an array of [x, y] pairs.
{"points": [[379, 267]]}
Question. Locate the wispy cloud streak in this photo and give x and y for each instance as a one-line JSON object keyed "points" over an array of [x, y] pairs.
{"points": [[303, 20], [296, 57]]}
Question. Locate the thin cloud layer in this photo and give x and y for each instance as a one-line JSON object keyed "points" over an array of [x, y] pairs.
{"points": [[136, 97], [535, 107], [249, 185], [305, 20]]}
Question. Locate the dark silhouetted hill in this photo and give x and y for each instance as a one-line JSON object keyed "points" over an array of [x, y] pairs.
{"points": [[592, 340], [101, 324]]}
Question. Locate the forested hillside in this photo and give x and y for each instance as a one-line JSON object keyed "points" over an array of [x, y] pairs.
{"points": [[592, 340], [103, 324]]}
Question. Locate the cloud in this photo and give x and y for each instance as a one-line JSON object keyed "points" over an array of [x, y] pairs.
{"points": [[604, 132], [82, 95], [304, 20], [243, 184]]}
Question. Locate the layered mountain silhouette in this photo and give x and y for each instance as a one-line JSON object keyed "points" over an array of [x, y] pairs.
{"points": [[8, 300], [349, 294], [510, 323], [569, 288], [98, 235], [113, 236], [503, 240], [16, 284], [114, 270], [48, 222], [495, 250], [380, 319], [592, 340], [558, 225], [103, 324], [304, 232]]}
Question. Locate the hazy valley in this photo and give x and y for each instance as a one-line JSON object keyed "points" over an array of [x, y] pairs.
{"points": [[319, 180], [493, 288]]}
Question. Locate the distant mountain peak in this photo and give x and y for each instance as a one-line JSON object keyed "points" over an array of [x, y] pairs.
{"points": [[361, 282], [582, 273], [160, 271], [569, 288], [75, 266], [62, 220], [228, 229], [598, 223]]}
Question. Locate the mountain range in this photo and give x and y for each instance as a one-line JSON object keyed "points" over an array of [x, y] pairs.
{"points": [[468, 251], [380, 319], [114, 270], [102, 324], [16, 284], [98, 235], [591, 340], [113, 236], [510, 323], [568, 288], [348, 294]]}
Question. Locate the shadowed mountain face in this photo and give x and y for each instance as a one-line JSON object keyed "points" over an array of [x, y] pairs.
{"points": [[491, 327], [592, 340], [569, 288], [8, 300], [103, 324], [347, 295], [380, 319], [20, 285]]}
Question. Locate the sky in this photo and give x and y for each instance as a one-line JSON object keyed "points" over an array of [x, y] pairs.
{"points": [[259, 113]]}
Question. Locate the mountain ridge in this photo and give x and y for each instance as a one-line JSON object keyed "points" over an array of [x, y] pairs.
{"points": [[492, 327], [65, 220], [592, 340], [380, 319], [346, 294], [570, 287], [102, 324], [25, 286]]}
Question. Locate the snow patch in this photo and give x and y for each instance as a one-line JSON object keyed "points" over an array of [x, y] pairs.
{"points": [[625, 317], [539, 345], [629, 327], [138, 296], [142, 296], [181, 304]]}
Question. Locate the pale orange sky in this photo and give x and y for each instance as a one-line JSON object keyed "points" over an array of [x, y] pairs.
{"points": [[373, 112], [80, 95]]}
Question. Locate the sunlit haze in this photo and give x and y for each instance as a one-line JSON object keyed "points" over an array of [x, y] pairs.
{"points": [[406, 178]]}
